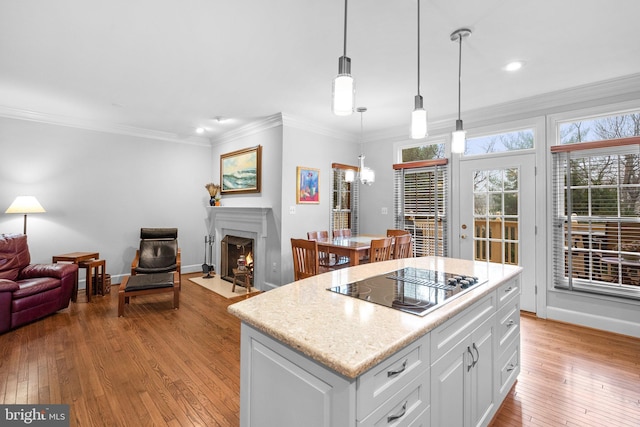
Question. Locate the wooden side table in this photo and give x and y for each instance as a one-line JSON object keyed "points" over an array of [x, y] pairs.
{"points": [[75, 258]]}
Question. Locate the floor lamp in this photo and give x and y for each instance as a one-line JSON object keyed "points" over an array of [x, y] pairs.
{"points": [[25, 205]]}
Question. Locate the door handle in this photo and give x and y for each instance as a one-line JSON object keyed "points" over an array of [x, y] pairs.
{"points": [[463, 236]]}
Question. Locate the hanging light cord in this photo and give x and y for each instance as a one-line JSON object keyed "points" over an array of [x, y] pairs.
{"points": [[361, 134], [418, 47], [345, 29], [459, 73]]}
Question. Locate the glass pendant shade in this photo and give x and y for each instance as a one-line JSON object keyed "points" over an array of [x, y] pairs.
{"points": [[349, 175], [367, 176], [458, 139], [344, 90], [419, 123]]}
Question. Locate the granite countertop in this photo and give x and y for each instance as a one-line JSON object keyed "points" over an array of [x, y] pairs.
{"points": [[349, 335]]}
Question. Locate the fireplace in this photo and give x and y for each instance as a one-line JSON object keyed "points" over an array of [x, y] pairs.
{"points": [[232, 248], [247, 223]]}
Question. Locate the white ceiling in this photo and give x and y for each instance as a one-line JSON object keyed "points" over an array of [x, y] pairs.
{"points": [[171, 66]]}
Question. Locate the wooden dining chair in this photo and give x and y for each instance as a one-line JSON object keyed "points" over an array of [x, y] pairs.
{"points": [[305, 258], [380, 249], [343, 232], [393, 232], [328, 261], [402, 246]]}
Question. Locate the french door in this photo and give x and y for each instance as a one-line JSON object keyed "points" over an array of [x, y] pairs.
{"points": [[497, 215]]}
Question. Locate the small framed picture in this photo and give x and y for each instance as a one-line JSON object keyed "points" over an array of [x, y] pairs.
{"points": [[307, 185]]}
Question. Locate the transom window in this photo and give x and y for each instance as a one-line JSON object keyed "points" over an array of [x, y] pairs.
{"points": [[421, 152], [500, 143]]}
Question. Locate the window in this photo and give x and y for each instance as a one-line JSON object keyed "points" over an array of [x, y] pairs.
{"points": [[500, 143], [421, 205], [422, 152], [596, 224], [344, 199], [599, 129]]}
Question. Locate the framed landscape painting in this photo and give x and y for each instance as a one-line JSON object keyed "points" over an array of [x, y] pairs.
{"points": [[240, 171], [307, 185]]}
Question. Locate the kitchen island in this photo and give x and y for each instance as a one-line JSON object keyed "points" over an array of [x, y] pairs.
{"points": [[314, 357]]}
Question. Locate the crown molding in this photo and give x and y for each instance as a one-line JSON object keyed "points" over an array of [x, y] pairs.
{"points": [[296, 122], [613, 91], [256, 126], [53, 119]]}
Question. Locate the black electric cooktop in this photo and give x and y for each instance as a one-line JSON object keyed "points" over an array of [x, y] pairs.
{"points": [[412, 290]]}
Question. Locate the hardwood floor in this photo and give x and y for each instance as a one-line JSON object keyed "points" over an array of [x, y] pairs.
{"points": [[159, 366]]}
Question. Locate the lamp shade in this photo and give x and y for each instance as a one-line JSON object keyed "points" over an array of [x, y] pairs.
{"points": [[419, 123], [458, 141], [343, 95], [25, 205], [349, 175]]}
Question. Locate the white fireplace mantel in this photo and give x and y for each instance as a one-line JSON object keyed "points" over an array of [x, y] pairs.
{"points": [[241, 221]]}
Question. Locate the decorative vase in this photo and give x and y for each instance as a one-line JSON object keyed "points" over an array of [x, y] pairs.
{"points": [[218, 202], [212, 201]]}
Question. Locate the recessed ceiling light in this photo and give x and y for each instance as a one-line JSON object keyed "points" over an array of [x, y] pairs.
{"points": [[220, 119], [514, 66], [200, 131]]}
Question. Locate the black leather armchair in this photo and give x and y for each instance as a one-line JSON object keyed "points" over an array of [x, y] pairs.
{"points": [[158, 253]]}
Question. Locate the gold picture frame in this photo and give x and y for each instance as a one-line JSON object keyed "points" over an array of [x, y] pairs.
{"points": [[307, 185], [241, 171]]}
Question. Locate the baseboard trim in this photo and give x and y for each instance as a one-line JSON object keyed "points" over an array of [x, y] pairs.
{"points": [[608, 324]]}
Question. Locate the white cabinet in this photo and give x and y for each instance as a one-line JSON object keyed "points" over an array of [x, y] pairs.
{"points": [[456, 374], [462, 380], [280, 387]]}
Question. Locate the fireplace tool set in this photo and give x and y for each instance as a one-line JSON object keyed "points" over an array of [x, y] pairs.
{"points": [[207, 266]]}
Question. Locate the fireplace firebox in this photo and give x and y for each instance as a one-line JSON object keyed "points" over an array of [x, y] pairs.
{"points": [[236, 252]]}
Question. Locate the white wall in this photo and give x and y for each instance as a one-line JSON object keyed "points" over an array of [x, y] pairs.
{"points": [[313, 150], [100, 188]]}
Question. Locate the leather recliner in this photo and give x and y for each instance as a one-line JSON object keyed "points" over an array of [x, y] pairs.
{"points": [[30, 292]]}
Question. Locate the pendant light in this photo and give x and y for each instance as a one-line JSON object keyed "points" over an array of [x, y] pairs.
{"points": [[344, 88], [458, 137], [419, 114], [367, 175]]}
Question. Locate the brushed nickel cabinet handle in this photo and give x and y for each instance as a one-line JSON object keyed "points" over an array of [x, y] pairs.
{"points": [[391, 418], [399, 371]]}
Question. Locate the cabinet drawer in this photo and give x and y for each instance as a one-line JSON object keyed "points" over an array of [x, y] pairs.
{"points": [[508, 290], [454, 330], [406, 408], [509, 366], [508, 324], [387, 378]]}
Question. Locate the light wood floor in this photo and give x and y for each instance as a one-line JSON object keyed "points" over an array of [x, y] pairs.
{"points": [[159, 366]]}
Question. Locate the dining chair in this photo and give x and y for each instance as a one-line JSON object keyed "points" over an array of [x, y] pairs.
{"points": [[343, 232], [402, 246], [305, 258], [380, 249], [392, 232], [328, 261]]}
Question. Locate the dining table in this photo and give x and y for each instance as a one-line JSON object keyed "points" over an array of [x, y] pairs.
{"points": [[353, 247]]}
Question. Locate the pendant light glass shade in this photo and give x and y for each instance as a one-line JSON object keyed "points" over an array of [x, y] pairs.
{"points": [[419, 120], [344, 89], [343, 94], [459, 136], [349, 175]]}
